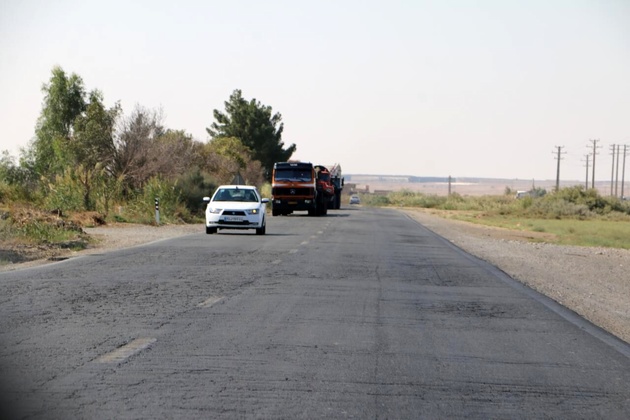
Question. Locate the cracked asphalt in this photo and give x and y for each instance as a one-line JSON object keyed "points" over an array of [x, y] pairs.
{"points": [[361, 314]]}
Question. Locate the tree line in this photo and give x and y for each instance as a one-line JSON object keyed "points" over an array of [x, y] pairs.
{"points": [[88, 157]]}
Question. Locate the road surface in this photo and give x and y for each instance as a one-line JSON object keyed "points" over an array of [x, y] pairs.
{"points": [[361, 314]]}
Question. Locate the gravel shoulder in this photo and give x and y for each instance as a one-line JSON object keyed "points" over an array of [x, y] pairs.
{"points": [[593, 282]]}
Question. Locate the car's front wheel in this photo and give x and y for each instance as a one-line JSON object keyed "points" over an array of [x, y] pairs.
{"points": [[211, 230], [262, 230]]}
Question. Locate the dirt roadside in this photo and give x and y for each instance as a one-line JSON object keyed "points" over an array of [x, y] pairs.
{"points": [[593, 282]]}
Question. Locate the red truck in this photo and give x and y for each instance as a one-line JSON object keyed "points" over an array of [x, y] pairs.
{"points": [[299, 186], [325, 189]]}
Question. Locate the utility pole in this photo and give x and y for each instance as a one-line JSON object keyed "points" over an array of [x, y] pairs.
{"points": [[586, 181], [623, 171], [617, 174], [612, 172], [558, 158], [594, 141]]}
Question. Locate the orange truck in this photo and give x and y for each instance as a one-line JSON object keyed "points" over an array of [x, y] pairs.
{"points": [[300, 186]]}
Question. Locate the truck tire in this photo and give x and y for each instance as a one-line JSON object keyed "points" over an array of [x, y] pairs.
{"points": [[322, 206]]}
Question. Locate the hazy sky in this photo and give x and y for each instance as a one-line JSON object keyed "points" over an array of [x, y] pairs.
{"points": [[428, 88]]}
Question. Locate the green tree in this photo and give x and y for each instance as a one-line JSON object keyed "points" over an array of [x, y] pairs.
{"points": [[64, 101], [225, 157], [93, 139], [255, 126], [173, 154], [92, 145]]}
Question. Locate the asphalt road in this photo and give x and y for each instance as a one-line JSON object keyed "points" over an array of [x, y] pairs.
{"points": [[361, 314]]}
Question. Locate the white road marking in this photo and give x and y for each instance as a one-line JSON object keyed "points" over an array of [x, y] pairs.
{"points": [[210, 301], [122, 353], [276, 262], [293, 251], [304, 243]]}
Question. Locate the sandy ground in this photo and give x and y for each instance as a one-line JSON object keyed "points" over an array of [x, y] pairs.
{"points": [[594, 282]]}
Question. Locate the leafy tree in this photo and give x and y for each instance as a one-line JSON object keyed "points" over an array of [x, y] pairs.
{"points": [[173, 154], [225, 157], [93, 140], [144, 149], [7, 167], [64, 101], [255, 126], [193, 186], [92, 145], [133, 143]]}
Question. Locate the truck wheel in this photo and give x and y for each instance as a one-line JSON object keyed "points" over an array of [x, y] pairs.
{"points": [[210, 230], [275, 212], [320, 208]]}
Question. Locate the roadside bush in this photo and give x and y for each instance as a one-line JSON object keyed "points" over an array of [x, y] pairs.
{"points": [[31, 225], [578, 195], [558, 208], [265, 190], [192, 188], [575, 202], [6, 192], [375, 200], [141, 207], [65, 193], [406, 198]]}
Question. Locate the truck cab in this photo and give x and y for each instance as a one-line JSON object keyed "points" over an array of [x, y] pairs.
{"points": [[293, 188]]}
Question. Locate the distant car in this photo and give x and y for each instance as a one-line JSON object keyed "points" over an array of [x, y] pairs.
{"points": [[355, 199], [523, 194], [236, 207]]}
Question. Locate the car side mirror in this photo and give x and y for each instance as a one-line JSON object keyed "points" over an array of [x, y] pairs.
{"points": [[264, 200], [206, 199]]}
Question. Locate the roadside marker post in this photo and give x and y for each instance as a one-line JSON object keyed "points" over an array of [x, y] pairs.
{"points": [[157, 211]]}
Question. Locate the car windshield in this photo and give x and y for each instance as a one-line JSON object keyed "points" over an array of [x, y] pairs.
{"points": [[236, 194], [292, 175]]}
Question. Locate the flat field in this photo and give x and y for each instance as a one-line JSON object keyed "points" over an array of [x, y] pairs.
{"points": [[463, 186]]}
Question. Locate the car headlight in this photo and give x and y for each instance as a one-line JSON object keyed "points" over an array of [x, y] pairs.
{"points": [[214, 210], [252, 211]]}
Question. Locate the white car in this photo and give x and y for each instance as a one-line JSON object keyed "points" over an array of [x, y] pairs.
{"points": [[355, 199], [236, 207]]}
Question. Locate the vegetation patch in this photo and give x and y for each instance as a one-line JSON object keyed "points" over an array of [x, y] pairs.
{"points": [[90, 164], [571, 216], [29, 234]]}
